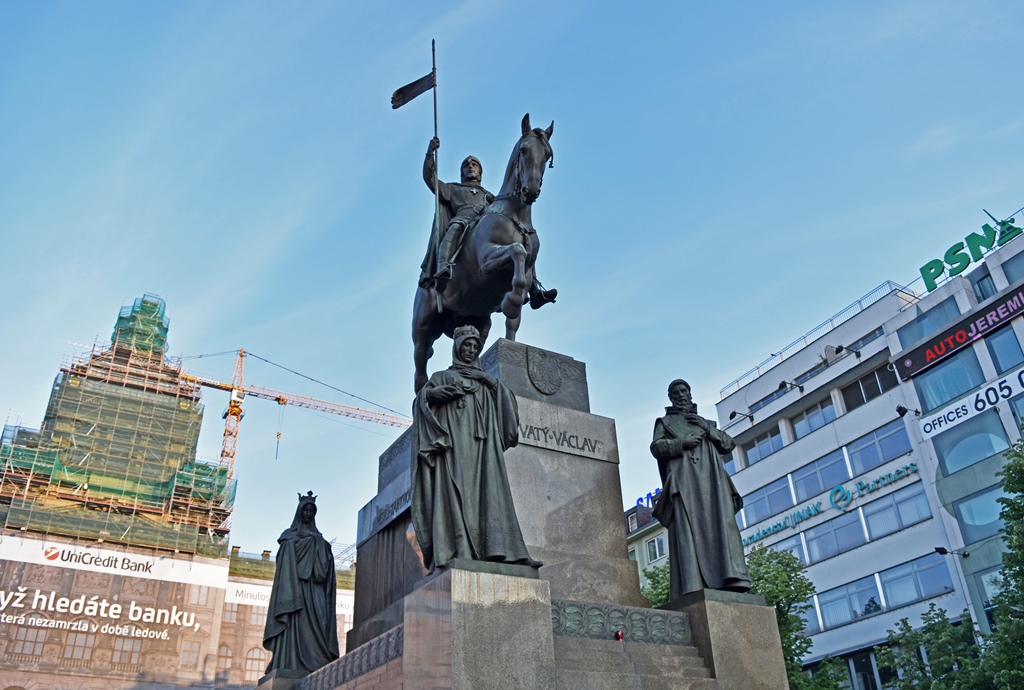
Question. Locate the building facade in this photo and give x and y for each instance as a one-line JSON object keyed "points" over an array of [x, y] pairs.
{"points": [[870, 448], [115, 570]]}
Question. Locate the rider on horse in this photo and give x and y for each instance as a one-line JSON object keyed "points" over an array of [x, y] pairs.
{"points": [[460, 206]]}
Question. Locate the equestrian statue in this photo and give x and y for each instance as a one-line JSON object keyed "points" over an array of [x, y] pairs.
{"points": [[483, 248]]}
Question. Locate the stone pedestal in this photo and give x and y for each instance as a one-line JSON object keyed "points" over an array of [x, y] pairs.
{"points": [[467, 630], [564, 476], [738, 638], [280, 680]]}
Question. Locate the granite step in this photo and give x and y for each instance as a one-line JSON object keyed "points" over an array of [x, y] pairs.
{"points": [[600, 664]]}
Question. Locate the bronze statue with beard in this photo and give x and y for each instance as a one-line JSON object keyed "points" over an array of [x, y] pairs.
{"points": [[301, 629], [462, 506], [699, 502]]}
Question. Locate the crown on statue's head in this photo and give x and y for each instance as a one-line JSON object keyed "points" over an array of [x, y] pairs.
{"points": [[308, 498]]}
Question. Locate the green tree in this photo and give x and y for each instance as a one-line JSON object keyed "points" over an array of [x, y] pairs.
{"points": [[1007, 640], [779, 577], [952, 658], [657, 588]]}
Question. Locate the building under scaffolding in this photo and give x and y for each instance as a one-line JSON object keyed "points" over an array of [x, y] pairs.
{"points": [[114, 459]]}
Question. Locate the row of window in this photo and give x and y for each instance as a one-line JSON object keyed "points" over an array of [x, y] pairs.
{"points": [[814, 371], [257, 614], [861, 391], [877, 519], [908, 583], [856, 458], [28, 641]]}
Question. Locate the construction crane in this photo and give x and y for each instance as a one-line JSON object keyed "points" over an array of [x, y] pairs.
{"points": [[238, 390]]}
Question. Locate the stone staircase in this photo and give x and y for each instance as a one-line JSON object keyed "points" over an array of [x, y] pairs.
{"points": [[592, 664]]}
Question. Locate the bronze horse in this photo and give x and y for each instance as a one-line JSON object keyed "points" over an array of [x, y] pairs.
{"points": [[494, 269]]}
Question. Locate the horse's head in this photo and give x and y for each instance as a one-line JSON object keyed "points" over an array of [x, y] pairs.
{"points": [[527, 164]]}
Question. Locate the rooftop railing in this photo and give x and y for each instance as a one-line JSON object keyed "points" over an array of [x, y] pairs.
{"points": [[886, 288]]}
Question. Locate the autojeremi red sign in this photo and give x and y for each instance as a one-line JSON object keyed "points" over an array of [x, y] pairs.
{"points": [[960, 335]]}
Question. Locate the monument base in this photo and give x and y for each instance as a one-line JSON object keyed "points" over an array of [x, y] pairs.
{"points": [[737, 636], [476, 628], [280, 679]]}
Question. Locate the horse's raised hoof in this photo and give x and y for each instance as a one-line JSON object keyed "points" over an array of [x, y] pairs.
{"points": [[538, 297]]}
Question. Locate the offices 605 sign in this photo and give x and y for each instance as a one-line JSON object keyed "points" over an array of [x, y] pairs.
{"points": [[986, 398]]}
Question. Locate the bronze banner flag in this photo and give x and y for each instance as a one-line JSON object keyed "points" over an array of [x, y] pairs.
{"points": [[411, 91]]}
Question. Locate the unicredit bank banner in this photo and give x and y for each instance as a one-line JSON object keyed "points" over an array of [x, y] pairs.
{"points": [[114, 561], [962, 334]]}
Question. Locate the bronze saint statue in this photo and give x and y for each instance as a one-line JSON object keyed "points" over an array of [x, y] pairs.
{"points": [[459, 205], [485, 263], [461, 501], [699, 502], [301, 630]]}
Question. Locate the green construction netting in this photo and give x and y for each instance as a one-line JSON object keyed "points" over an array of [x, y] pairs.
{"points": [[143, 325]]}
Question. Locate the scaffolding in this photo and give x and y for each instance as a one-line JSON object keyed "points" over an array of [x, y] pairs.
{"points": [[115, 456]]}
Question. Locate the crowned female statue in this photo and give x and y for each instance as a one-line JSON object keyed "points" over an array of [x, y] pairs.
{"points": [[301, 629]]}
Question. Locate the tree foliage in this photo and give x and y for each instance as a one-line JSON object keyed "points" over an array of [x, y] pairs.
{"points": [[657, 588], [952, 658], [779, 577], [1007, 640]]}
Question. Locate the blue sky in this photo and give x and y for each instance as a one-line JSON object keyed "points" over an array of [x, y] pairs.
{"points": [[726, 177]]}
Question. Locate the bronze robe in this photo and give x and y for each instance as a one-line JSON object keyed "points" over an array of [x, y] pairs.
{"points": [[698, 505], [301, 629], [461, 502]]}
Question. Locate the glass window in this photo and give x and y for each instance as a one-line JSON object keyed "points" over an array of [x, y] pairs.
{"points": [[223, 663], [258, 615], [879, 447], [230, 612], [190, 654], [763, 446], [970, 442], [197, 594], [863, 672], [255, 664], [767, 501], [29, 640], [929, 322], [978, 515], [632, 554], [792, 545], [632, 522], [810, 617], [919, 579], [126, 651], [1013, 268], [897, 510], [949, 380], [1005, 349], [1017, 405], [774, 395], [984, 287], [838, 535], [869, 387], [813, 418], [656, 548], [849, 602], [989, 584], [730, 466], [820, 475], [78, 645]]}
